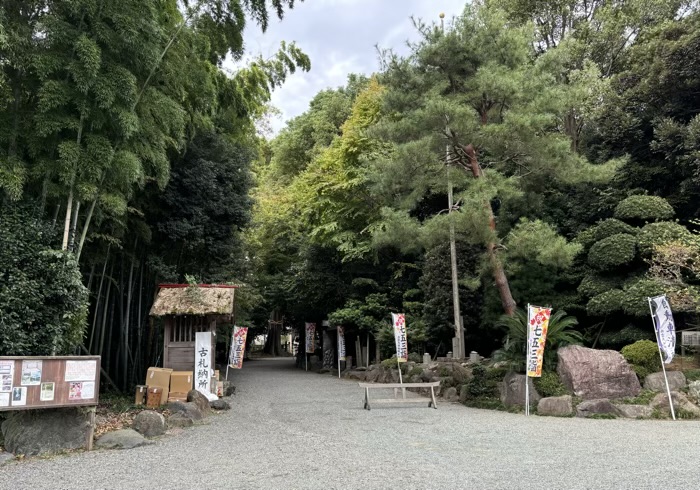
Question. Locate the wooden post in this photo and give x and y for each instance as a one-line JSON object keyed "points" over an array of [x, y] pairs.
{"points": [[91, 429]]}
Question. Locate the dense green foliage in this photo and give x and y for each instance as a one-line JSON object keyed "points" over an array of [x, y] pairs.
{"points": [[643, 355], [43, 303]]}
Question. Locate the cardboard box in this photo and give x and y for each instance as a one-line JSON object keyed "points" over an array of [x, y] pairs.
{"points": [[140, 398], [181, 381], [174, 396], [219, 388], [154, 397], [159, 377], [212, 384]]}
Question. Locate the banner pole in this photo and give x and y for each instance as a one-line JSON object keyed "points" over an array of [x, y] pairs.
{"points": [[398, 363], [527, 395], [338, 342], [306, 361], [527, 346], [663, 367]]}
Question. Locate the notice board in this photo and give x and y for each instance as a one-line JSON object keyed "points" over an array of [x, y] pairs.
{"points": [[32, 382]]}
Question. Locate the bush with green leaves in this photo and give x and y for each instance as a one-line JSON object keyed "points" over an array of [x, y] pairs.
{"points": [[549, 384], [644, 208], [643, 356], [481, 385], [593, 285], [43, 303], [612, 226], [654, 234], [613, 251]]}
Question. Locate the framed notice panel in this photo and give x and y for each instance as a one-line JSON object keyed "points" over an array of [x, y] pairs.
{"points": [[49, 382]]}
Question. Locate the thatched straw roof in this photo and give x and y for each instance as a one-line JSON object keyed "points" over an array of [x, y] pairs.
{"points": [[193, 301]]}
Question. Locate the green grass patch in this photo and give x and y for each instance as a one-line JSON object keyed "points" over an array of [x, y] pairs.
{"points": [[692, 374], [644, 398]]}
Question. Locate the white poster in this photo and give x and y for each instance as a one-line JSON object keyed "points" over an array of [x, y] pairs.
{"points": [[341, 343], [31, 373], [665, 327], [88, 392], [202, 362], [400, 336], [4, 399], [80, 370], [47, 392], [19, 396], [310, 338], [7, 373]]}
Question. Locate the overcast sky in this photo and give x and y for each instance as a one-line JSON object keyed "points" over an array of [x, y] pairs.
{"points": [[340, 37]]}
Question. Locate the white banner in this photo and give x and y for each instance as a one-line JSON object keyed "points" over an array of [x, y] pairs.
{"points": [[400, 336], [341, 343], [665, 328], [537, 324], [202, 363], [237, 347], [310, 338]]}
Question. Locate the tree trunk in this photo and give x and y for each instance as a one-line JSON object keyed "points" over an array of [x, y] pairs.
{"points": [[499, 274], [69, 208]]}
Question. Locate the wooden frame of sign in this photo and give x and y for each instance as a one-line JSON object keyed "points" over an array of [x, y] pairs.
{"points": [[33, 382]]}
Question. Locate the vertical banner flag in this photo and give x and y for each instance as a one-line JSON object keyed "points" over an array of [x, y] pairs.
{"points": [[665, 327], [400, 336], [238, 347], [341, 343], [202, 362], [537, 323], [310, 338]]}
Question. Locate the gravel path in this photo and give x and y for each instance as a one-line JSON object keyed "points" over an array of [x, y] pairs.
{"points": [[297, 430]]}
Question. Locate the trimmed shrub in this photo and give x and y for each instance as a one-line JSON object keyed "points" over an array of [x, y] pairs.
{"points": [[634, 300], [605, 303], [389, 363], [658, 233], [643, 355], [613, 251], [645, 208], [549, 384], [415, 357], [481, 385], [612, 226], [416, 371], [593, 285]]}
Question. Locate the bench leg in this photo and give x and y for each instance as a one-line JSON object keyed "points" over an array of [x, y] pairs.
{"points": [[367, 399], [432, 396]]}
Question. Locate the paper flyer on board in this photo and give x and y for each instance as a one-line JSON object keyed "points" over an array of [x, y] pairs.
{"points": [[75, 391], [31, 373], [80, 370], [88, 391], [400, 336], [538, 321], [7, 373], [19, 396], [47, 392], [4, 399]]}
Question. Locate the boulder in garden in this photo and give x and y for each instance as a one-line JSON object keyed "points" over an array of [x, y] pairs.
{"points": [[656, 382], [694, 390], [180, 420], [596, 407], [451, 394], [149, 423], [48, 431], [188, 409], [220, 405], [200, 400], [595, 374], [634, 411], [660, 402], [122, 439], [513, 390], [556, 406]]}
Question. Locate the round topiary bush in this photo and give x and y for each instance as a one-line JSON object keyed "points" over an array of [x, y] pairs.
{"points": [[654, 234], [605, 303], [593, 285], [549, 384], [643, 355], [612, 226], [644, 208], [634, 300], [613, 251]]}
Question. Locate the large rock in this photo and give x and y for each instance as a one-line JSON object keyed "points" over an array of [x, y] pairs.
{"points": [[451, 394], [513, 390], [149, 423], [556, 406], [49, 431], [229, 389], [634, 411], [594, 374], [656, 382], [6, 458], [372, 375], [188, 409], [461, 374], [593, 407], [200, 400], [660, 402], [122, 439], [220, 405], [179, 419]]}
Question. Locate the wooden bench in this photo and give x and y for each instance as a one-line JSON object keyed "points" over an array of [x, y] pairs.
{"points": [[395, 386]]}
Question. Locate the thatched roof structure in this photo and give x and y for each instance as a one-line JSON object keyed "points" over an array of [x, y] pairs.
{"points": [[193, 300]]}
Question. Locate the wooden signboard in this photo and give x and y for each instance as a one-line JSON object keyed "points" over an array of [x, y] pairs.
{"points": [[49, 382]]}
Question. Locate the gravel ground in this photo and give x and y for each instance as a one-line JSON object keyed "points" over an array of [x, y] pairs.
{"points": [[292, 429]]}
